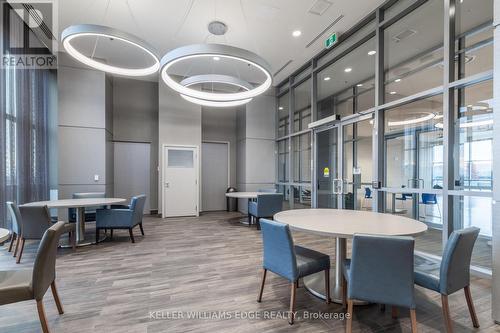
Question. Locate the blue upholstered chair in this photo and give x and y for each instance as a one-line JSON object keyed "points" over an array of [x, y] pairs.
{"points": [[266, 206], [430, 199], [290, 261], [454, 272], [380, 271], [90, 212], [367, 195], [122, 218]]}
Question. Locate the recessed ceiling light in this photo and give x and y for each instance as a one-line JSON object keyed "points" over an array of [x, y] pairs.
{"points": [[296, 33], [348, 69], [359, 85], [327, 78], [372, 52], [392, 93], [397, 80], [216, 58], [280, 108]]}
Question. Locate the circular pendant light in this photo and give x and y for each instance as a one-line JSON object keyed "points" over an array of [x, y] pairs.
{"points": [[218, 51], [216, 78], [84, 30]]}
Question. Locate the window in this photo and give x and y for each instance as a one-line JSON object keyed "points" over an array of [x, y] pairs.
{"points": [[283, 115], [302, 158], [413, 52], [302, 106], [283, 152], [347, 86]]}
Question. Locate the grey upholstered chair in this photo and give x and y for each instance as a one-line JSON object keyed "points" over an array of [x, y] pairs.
{"points": [[35, 221], [122, 218], [266, 205], [90, 212], [27, 284], [15, 232], [267, 190], [454, 273], [290, 261], [380, 271]]}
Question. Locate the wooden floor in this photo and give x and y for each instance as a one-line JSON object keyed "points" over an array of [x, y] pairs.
{"points": [[209, 264]]}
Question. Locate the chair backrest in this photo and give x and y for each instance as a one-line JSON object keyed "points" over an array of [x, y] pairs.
{"points": [[15, 217], [44, 269], [429, 199], [90, 195], [137, 205], [455, 265], [269, 204], [382, 270], [368, 193], [35, 221], [279, 253], [267, 190]]}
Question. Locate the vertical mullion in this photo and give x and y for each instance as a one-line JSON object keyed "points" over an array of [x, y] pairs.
{"points": [[291, 111], [448, 121], [378, 135]]}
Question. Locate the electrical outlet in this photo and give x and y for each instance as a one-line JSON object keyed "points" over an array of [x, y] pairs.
{"points": [[96, 178]]}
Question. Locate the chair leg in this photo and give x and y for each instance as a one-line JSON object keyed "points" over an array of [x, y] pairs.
{"points": [[470, 304], [344, 293], [446, 314], [41, 315], [96, 236], [259, 298], [12, 238], [258, 222], [249, 220], [394, 312], [348, 325], [72, 236], [327, 285], [142, 230], [20, 251], [18, 240], [291, 315], [56, 297], [111, 234], [131, 235], [413, 317]]}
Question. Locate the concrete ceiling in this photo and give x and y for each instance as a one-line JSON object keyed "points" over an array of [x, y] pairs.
{"points": [[262, 26]]}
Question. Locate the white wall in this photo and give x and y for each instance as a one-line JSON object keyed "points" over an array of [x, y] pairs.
{"points": [[179, 123], [256, 146], [84, 130]]}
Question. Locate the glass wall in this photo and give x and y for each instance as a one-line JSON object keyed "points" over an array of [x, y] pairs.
{"points": [[433, 155]]}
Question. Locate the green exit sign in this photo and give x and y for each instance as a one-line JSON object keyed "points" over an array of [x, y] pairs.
{"points": [[331, 40]]}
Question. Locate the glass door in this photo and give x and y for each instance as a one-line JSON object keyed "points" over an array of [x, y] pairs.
{"points": [[328, 183], [357, 165]]}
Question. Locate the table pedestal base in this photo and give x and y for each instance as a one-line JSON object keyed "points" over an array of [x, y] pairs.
{"points": [[315, 283]]}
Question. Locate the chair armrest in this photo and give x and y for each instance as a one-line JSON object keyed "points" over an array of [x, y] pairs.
{"points": [[119, 218]]}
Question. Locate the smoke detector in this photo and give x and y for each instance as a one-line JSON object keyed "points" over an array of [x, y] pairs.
{"points": [[217, 28]]}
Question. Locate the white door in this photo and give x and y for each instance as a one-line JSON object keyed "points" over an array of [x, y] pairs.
{"points": [[132, 171], [180, 181], [214, 175]]}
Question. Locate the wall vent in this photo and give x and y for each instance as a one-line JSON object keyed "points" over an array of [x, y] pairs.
{"points": [[319, 7], [283, 67], [403, 35], [337, 20]]}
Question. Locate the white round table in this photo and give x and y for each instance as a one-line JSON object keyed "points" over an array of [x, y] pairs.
{"points": [[4, 235], [80, 205], [343, 224], [245, 195]]}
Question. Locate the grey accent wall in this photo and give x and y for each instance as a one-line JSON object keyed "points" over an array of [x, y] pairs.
{"points": [[220, 125], [84, 130], [256, 146], [179, 123], [135, 119]]}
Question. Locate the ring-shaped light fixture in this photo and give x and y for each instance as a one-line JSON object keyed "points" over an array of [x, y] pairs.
{"points": [[221, 51], [422, 119], [215, 78], [82, 30]]}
